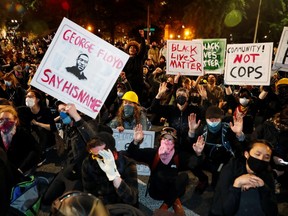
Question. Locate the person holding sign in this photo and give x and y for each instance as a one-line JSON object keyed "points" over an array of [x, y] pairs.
{"points": [[214, 92], [165, 163], [77, 132], [243, 104], [81, 63]]}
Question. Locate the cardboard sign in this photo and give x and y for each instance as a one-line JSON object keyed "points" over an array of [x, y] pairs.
{"points": [[126, 137], [248, 64], [79, 68], [184, 57], [214, 55], [281, 58]]}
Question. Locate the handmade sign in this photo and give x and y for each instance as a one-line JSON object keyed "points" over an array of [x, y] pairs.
{"points": [[248, 64], [79, 68]]}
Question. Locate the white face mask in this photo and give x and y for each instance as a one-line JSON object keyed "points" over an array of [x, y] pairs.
{"points": [[244, 101], [30, 102]]}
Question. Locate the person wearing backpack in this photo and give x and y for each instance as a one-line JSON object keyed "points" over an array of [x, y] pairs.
{"points": [[165, 162], [222, 141]]}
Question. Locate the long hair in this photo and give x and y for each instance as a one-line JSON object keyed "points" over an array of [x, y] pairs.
{"points": [[136, 116], [11, 77], [39, 95]]}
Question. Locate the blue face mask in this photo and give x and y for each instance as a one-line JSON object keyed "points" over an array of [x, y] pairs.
{"points": [[214, 127], [128, 110], [7, 83], [66, 119]]}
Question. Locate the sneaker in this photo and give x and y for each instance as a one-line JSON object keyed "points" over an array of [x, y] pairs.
{"points": [[178, 208], [41, 162], [201, 187]]}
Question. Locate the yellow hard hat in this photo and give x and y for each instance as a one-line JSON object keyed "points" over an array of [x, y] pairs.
{"points": [[283, 81], [131, 96]]}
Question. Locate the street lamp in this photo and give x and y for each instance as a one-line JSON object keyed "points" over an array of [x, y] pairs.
{"points": [[148, 23], [257, 21]]}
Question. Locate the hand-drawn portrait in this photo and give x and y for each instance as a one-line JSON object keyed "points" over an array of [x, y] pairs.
{"points": [[81, 63]]}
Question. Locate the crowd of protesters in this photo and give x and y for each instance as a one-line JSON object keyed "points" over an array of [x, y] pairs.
{"points": [[237, 133]]}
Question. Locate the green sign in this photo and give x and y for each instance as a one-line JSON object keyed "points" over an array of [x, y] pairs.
{"points": [[151, 29], [214, 55]]}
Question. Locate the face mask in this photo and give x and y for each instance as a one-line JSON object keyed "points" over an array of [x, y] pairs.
{"points": [[258, 166], [195, 99], [66, 119], [213, 126], [169, 86], [128, 110], [30, 102], [7, 83], [120, 94], [283, 91], [181, 100], [244, 101], [166, 146], [6, 126]]}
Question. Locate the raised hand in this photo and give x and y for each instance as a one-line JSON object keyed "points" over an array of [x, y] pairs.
{"points": [[138, 134], [107, 164], [202, 92], [193, 125], [199, 145], [237, 126]]}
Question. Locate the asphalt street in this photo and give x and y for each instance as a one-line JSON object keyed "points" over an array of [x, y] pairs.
{"points": [[193, 203]]}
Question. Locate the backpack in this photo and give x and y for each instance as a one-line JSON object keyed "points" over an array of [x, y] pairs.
{"points": [[225, 143], [25, 198]]}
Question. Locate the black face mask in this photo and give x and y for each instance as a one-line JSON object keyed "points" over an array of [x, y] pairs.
{"points": [[283, 91], [169, 86], [181, 100], [258, 166], [195, 99]]}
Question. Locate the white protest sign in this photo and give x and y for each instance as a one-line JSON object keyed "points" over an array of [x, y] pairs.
{"points": [[248, 64], [185, 57], [126, 137], [79, 68], [281, 58]]}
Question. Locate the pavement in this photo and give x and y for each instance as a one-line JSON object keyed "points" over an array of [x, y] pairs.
{"points": [[193, 203]]}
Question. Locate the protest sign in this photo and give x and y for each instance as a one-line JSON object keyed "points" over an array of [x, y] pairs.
{"points": [[214, 55], [281, 58], [79, 68], [184, 57], [126, 137], [248, 64]]}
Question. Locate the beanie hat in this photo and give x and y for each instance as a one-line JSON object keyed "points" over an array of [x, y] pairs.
{"points": [[214, 112], [108, 139], [170, 131]]}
